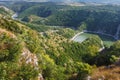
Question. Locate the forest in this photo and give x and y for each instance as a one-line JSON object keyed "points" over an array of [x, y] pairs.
{"points": [[38, 45], [104, 18]]}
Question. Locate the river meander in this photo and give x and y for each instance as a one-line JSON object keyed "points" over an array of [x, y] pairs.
{"points": [[108, 40]]}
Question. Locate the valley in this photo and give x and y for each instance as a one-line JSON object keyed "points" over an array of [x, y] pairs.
{"points": [[59, 41]]}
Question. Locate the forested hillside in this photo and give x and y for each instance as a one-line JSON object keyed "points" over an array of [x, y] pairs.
{"points": [[103, 19], [40, 47], [22, 47], [47, 53], [5, 11]]}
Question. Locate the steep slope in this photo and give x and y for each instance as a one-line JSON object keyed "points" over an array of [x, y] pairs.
{"points": [[11, 51], [48, 53], [107, 57], [31, 55], [5, 11], [111, 72], [28, 54]]}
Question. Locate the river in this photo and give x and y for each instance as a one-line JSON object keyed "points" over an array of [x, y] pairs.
{"points": [[107, 39]]}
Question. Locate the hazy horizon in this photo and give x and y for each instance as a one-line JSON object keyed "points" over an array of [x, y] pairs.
{"points": [[96, 1]]}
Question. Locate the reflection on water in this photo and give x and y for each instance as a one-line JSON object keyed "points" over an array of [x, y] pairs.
{"points": [[108, 40], [80, 38]]}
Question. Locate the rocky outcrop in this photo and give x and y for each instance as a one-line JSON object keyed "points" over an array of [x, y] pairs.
{"points": [[10, 34], [30, 58]]}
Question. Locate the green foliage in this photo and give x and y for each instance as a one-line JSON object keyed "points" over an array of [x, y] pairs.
{"points": [[113, 59], [11, 71], [103, 18], [27, 72], [67, 33], [109, 55], [79, 52], [83, 70], [39, 9], [9, 48], [7, 70], [82, 27], [32, 41], [10, 25], [50, 70], [39, 28], [26, 19], [99, 18], [58, 57], [4, 12], [54, 73]]}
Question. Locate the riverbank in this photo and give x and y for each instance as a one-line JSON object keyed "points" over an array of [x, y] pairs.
{"points": [[107, 39], [94, 32], [76, 36]]}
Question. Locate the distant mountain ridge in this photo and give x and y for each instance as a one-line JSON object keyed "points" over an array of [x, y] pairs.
{"points": [[86, 1]]}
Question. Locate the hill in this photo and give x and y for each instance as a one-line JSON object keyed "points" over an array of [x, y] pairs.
{"points": [[102, 19], [5, 11], [87, 1], [28, 54], [40, 48]]}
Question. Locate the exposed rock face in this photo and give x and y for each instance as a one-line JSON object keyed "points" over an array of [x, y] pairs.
{"points": [[8, 33], [29, 58], [32, 59]]}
